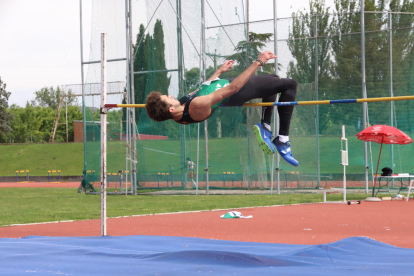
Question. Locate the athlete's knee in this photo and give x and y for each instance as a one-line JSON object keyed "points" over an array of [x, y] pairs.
{"points": [[290, 88], [290, 84]]}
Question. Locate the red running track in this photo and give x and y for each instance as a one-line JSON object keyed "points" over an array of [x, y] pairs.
{"points": [[387, 221]]}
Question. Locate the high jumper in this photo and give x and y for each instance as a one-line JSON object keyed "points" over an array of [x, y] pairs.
{"points": [[200, 104]]}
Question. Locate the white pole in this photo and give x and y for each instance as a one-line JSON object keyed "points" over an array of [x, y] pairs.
{"points": [[344, 158], [103, 134]]}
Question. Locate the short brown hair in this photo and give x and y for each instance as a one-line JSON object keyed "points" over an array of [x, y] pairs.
{"points": [[157, 109]]}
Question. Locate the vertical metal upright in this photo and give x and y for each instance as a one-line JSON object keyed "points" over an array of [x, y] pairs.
{"points": [[103, 134], [134, 171], [392, 104], [128, 110], [85, 163], [318, 161], [247, 33], [180, 71], [128, 131], [364, 90], [249, 111], [131, 140], [275, 113], [203, 53]]}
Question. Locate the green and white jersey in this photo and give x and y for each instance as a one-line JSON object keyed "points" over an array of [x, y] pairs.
{"points": [[206, 88], [209, 87]]}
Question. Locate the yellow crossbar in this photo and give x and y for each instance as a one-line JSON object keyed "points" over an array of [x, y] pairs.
{"points": [[382, 99]]}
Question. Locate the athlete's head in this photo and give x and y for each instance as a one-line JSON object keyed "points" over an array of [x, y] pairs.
{"points": [[162, 107], [157, 107]]}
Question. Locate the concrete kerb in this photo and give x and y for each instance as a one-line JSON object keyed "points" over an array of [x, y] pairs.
{"points": [[245, 192]]}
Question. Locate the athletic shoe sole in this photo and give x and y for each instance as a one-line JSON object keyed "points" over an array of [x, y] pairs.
{"points": [[263, 145]]}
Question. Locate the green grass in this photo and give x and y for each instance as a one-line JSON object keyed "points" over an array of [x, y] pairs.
{"points": [[31, 205], [225, 154], [39, 158]]}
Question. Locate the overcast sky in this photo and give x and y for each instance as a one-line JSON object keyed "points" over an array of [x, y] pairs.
{"points": [[40, 41]]}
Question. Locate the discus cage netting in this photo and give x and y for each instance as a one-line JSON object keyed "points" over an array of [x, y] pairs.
{"points": [[321, 50]]}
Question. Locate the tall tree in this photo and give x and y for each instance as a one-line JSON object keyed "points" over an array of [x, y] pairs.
{"points": [[403, 57], [311, 57], [150, 56], [140, 64], [5, 117], [50, 97], [246, 52], [338, 73], [33, 124], [158, 81], [154, 51], [346, 66]]}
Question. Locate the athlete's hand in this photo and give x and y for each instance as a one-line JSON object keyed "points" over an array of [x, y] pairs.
{"points": [[226, 66], [266, 56]]}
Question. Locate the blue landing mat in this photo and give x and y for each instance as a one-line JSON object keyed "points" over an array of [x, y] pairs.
{"points": [[154, 255]]}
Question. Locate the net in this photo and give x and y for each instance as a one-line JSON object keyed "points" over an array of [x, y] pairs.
{"points": [[321, 52]]}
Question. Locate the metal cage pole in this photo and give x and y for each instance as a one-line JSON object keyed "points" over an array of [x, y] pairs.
{"points": [[198, 125], [180, 71], [391, 85], [130, 78], [203, 52], [103, 134], [247, 32], [318, 161], [275, 114], [364, 92], [127, 116], [85, 162], [130, 112]]}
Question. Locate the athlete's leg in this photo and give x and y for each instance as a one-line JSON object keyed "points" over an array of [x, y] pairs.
{"points": [[261, 86], [285, 114], [263, 129], [286, 111], [266, 87]]}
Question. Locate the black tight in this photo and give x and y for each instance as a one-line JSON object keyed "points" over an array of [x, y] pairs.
{"points": [[266, 87]]}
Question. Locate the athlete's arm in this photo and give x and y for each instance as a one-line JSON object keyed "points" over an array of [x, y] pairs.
{"points": [[210, 100], [200, 107], [223, 68]]}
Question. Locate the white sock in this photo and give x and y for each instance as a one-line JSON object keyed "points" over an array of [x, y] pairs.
{"points": [[267, 126], [283, 138]]}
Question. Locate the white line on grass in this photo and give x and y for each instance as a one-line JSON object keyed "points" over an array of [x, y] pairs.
{"points": [[172, 213], [162, 151]]}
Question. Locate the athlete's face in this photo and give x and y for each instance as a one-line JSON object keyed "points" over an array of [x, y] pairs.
{"points": [[170, 99], [173, 102]]}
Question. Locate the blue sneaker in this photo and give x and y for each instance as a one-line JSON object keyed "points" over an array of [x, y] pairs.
{"points": [[264, 138], [285, 152]]}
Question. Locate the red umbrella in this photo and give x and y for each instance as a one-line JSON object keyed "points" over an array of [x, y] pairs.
{"points": [[383, 134]]}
